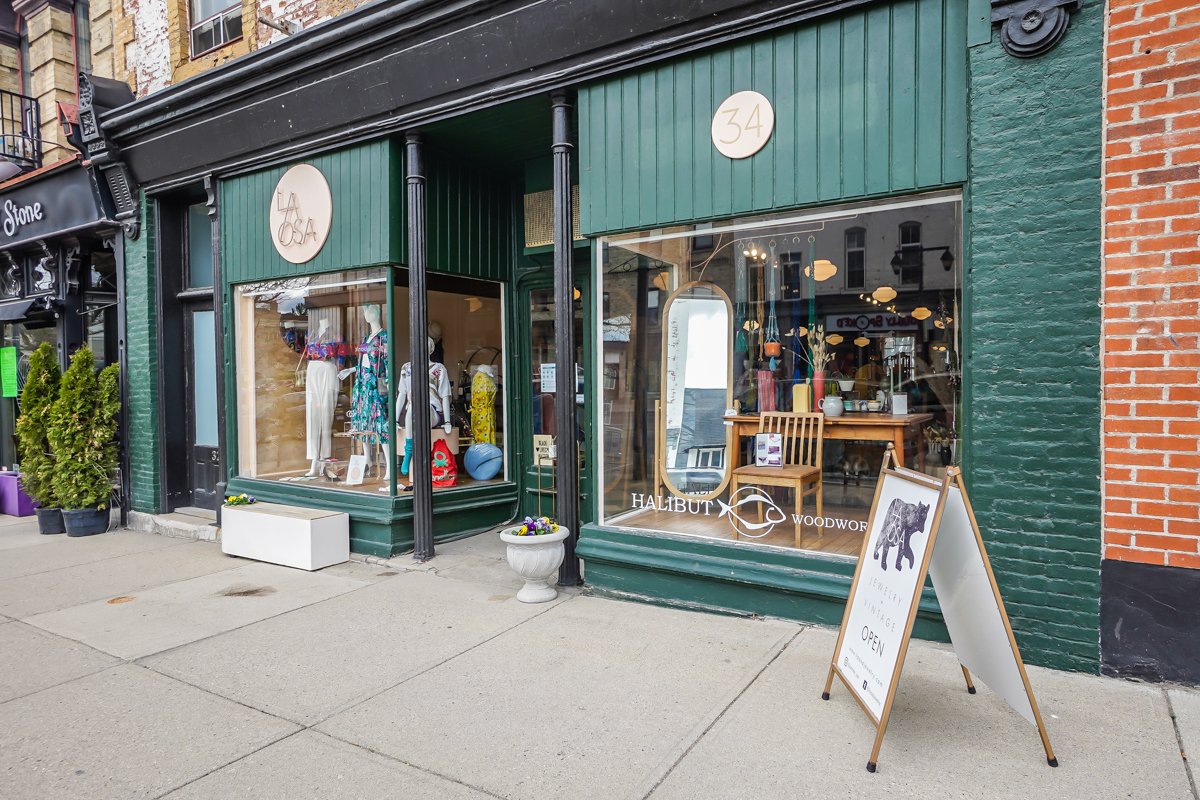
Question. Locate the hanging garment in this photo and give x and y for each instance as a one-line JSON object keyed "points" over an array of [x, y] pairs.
{"points": [[369, 402], [483, 408], [320, 400]]}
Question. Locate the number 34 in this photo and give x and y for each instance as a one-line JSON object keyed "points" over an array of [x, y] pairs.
{"points": [[742, 124], [753, 123]]}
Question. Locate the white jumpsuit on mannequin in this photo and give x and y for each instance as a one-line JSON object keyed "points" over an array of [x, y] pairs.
{"points": [[320, 395]]}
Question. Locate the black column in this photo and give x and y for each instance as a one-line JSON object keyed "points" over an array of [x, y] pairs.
{"points": [[565, 425], [218, 304], [118, 248], [418, 395]]}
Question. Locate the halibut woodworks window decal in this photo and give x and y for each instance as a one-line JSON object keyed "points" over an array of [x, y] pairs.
{"points": [[301, 213], [751, 512]]}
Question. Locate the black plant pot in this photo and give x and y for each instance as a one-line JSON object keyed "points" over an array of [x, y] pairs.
{"points": [[50, 520], [85, 521]]}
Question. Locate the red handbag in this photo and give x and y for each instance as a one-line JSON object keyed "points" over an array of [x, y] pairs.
{"points": [[444, 469]]}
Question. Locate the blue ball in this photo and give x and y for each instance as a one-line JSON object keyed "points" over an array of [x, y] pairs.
{"points": [[483, 461]]}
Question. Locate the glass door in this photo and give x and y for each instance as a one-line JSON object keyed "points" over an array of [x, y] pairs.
{"points": [[204, 457], [536, 304]]}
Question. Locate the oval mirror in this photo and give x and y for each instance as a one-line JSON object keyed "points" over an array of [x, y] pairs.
{"points": [[692, 439]]}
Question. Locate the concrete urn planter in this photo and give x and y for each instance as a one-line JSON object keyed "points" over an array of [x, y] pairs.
{"points": [[535, 558]]}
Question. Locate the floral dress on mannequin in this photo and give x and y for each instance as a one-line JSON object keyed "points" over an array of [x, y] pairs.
{"points": [[368, 403]]}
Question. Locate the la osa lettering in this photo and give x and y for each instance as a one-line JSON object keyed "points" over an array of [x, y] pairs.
{"points": [[295, 228], [15, 216]]}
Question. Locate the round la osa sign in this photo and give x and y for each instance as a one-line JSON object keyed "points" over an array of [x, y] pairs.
{"points": [[301, 213]]}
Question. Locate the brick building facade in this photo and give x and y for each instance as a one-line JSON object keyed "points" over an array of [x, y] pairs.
{"points": [[44, 44], [1151, 340], [154, 46]]}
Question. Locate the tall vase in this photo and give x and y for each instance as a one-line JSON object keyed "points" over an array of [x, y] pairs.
{"points": [[818, 387]]}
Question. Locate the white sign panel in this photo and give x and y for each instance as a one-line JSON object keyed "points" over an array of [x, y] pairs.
{"points": [[742, 124], [969, 607], [301, 213], [548, 378], [890, 574]]}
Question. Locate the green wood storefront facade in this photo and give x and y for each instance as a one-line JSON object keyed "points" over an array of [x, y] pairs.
{"points": [[892, 100], [881, 100]]}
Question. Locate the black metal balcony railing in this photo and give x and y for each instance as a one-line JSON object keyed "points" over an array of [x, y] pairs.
{"points": [[20, 130]]}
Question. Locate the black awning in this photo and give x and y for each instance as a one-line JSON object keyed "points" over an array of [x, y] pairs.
{"points": [[12, 311]]}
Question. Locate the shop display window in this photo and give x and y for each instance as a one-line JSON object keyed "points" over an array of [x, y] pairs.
{"points": [[320, 404], [712, 333]]}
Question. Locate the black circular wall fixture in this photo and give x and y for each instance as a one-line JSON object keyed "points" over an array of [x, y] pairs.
{"points": [[1029, 28]]}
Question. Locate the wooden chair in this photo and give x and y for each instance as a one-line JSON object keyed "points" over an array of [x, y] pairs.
{"points": [[802, 436]]}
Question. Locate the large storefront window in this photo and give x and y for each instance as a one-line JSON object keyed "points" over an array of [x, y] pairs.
{"points": [[320, 403], [713, 333]]}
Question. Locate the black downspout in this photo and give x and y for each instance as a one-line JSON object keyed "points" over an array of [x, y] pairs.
{"points": [[418, 327], [218, 304], [565, 423], [123, 365]]}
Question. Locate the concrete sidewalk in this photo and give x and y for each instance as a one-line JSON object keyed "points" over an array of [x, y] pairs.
{"points": [[137, 666]]}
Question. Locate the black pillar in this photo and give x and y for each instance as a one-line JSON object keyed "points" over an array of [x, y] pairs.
{"points": [[118, 249], [218, 304], [418, 396], [565, 425]]}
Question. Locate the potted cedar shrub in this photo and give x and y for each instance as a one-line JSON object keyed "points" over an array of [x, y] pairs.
{"points": [[83, 425], [535, 551], [37, 460]]}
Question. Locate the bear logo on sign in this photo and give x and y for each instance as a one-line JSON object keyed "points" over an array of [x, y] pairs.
{"points": [[903, 520]]}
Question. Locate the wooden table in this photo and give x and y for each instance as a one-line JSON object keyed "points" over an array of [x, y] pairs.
{"points": [[860, 426]]}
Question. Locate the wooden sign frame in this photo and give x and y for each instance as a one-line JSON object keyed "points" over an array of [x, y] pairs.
{"points": [[953, 479]]}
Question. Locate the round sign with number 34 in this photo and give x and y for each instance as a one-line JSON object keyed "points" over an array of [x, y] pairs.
{"points": [[742, 124]]}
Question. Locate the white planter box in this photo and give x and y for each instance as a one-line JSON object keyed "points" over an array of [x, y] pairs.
{"points": [[305, 538]]}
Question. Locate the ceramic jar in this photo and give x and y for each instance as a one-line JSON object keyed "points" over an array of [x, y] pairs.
{"points": [[833, 406]]}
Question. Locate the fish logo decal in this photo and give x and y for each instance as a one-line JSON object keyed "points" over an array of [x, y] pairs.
{"points": [[744, 508]]}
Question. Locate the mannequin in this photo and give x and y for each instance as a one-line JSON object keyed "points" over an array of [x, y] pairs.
{"points": [[439, 403], [369, 402], [325, 353], [483, 404]]}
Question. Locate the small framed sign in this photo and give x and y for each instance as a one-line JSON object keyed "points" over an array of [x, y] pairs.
{"points": [[768, 450], [543, 447], [356, 471]]}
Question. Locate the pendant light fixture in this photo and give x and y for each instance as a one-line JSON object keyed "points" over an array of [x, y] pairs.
{"points": [[821, 270], [884, 294]]}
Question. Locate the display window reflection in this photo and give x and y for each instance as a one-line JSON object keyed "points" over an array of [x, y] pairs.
{"points": [[835, 330], [320, 402]]}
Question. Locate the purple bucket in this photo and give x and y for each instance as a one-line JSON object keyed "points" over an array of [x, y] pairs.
{"points": [[13, 501]]}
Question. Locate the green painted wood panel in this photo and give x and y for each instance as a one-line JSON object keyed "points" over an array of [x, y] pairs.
{"points": [[470, 217], [866, 103], [366, 207]]}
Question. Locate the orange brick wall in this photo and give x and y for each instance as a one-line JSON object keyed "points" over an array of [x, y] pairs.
{"points": [[1151, 333]]}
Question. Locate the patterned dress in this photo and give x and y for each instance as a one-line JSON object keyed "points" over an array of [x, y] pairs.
{"points": [[483, 408], [369, 403]]}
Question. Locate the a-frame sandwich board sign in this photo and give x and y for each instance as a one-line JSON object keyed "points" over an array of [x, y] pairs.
{"points": [[921, 526]]}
